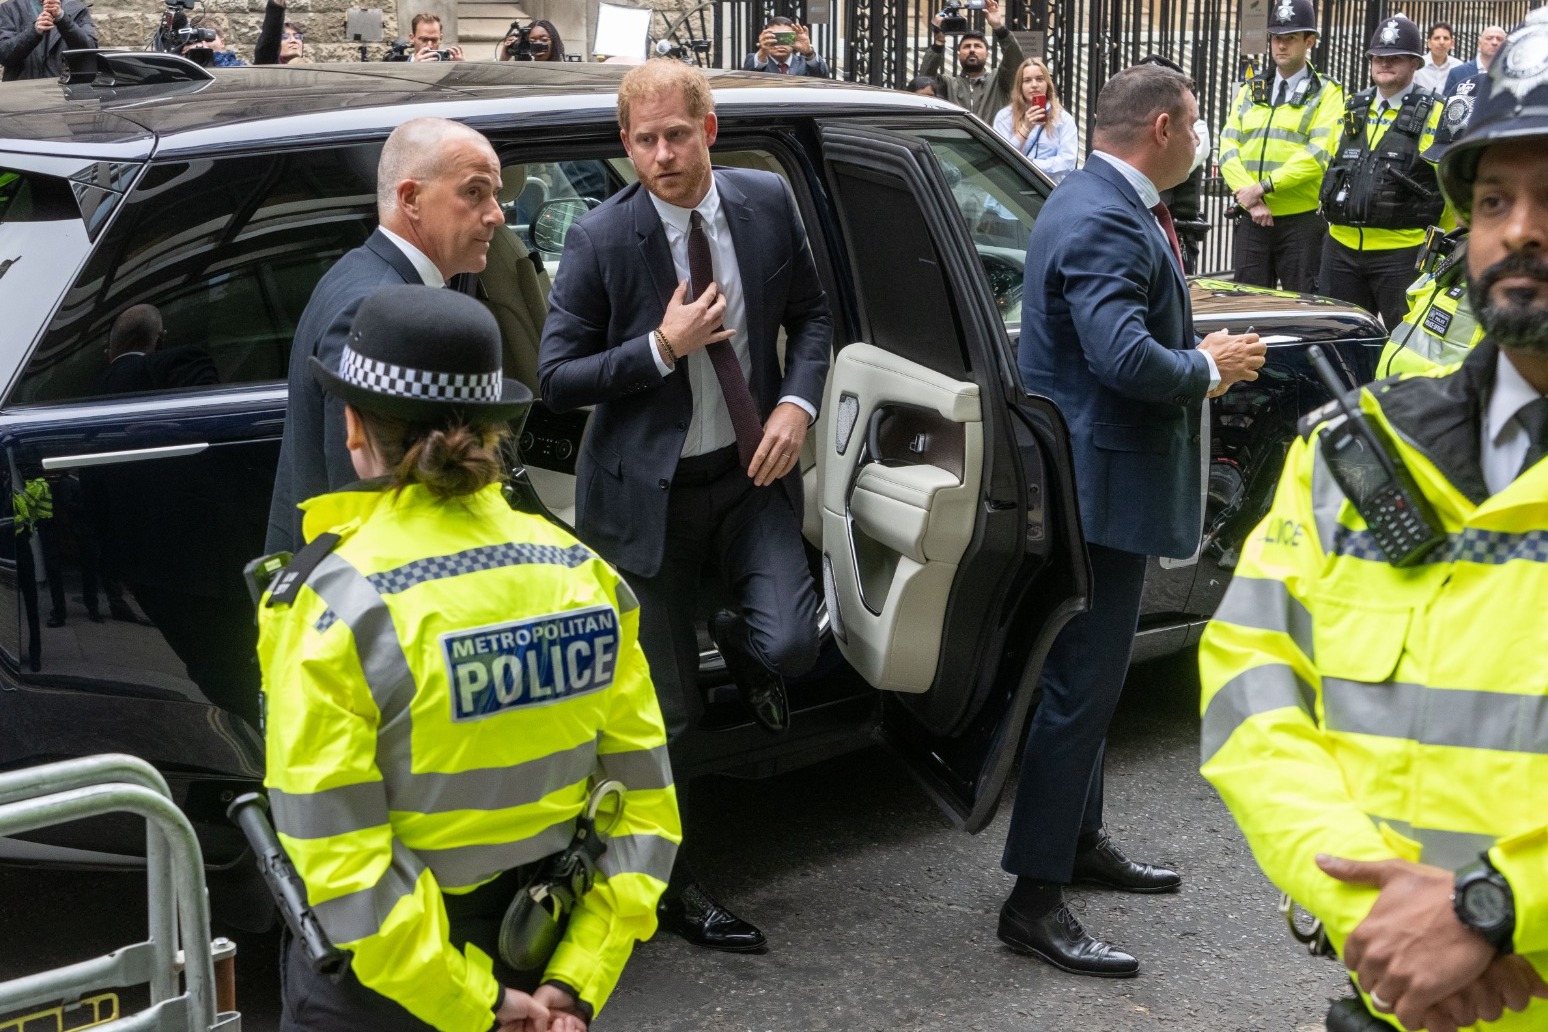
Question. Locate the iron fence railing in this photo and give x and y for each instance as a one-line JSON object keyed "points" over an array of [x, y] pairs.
{"points": [[1085, 42]]}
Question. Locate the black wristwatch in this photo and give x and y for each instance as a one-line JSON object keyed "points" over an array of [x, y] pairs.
{"points": [[1483, 901]]}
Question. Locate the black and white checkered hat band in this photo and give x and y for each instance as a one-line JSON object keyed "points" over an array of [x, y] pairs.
{"points": [[422, 384]]}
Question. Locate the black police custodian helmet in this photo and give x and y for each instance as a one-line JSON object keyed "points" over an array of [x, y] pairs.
{"points": [[425, 355], [1515, 107], [1287, 16], [1397, 35]]}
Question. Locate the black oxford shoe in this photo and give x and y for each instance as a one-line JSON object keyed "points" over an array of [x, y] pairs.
{"points": [[761, 689], [694, 914], [1058, 938], [1104, 864]]}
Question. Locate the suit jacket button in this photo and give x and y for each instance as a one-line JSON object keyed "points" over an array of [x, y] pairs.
{"points": [[663, 483]]}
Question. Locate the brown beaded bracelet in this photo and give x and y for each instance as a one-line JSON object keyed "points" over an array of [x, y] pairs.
{"points": [[666, 345]]}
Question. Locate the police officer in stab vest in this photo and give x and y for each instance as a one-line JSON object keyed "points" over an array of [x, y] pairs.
{"points": [[446, 680], [1379, 730], [1440, 328], [1273, 153], [1379, 194]]}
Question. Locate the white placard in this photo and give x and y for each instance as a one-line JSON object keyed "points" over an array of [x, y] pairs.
{"points": [[621, 31]]}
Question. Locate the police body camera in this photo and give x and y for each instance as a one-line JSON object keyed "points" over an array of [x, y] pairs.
{"points": [[953, 22]]}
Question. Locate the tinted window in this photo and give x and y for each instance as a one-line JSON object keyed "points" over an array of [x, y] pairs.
{"points": [[228, 249]]}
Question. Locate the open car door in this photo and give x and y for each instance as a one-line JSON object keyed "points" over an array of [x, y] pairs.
{"points": [[951, 552]]}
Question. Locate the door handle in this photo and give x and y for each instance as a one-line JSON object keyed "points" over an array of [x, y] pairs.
{"points": [[110, 458]]}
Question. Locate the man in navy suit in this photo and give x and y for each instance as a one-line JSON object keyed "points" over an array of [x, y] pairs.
{"points": [[796, 58], [1107, 333], [665, 315], [1489, 42], [437, 187]]}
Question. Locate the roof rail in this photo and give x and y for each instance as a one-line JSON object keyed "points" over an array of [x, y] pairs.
{"points": [[110, 68]]}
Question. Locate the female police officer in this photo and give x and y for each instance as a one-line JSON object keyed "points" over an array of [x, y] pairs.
{"points": [[444, 679]]}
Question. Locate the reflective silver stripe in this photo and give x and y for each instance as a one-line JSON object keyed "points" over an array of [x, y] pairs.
{"points": [[640, 768], [330, 811], [628, 602], [350, 596], [490, 788], [1267, 605], [1449, 849], [468, 865], [1259, 690], [1462, 718], [1327, 498], [639, 854], [361, 914]]}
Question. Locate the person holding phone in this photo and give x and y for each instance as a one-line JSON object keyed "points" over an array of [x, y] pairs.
{"points": [[35, 35], [1037, 124], [785, 48]]}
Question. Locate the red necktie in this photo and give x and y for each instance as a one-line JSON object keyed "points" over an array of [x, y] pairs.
{"points": [[739, 400], [1165, 218], [783, 68]]}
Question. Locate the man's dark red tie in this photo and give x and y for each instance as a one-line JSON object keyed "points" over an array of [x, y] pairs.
{"points": [[739, 400], [784, 69], [1165, 218]]}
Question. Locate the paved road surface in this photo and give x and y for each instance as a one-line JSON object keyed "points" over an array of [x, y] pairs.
{"points": [[882, 915]]}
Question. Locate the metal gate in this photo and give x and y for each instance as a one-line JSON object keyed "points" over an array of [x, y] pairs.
{"points": [[882, 42]]}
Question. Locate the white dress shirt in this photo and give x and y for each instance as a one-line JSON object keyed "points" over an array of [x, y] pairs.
{"points": [[1290, 83], [1504, 441], [710, 427], [428, 273], [1150, 197]]}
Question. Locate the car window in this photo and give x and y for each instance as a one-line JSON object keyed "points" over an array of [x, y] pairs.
{"points": [[999, 200], [228, 250], [43, 239]]}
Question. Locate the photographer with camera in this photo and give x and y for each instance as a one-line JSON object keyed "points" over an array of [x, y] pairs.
{"points": [[539, 41], [211, 36], [974, 87], [280, 41], [425, 40], [34, 36], [785, 48]]}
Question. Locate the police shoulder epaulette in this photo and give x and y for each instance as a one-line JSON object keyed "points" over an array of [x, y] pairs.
{"points": [[288, 582]]}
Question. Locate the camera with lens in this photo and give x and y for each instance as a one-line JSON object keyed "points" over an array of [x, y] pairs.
{"points": [[400, 50], [519, 45], [173, 33], [953, 22], [442, 55]]}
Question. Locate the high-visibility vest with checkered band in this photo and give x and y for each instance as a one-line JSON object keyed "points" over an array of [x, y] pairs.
{"points": [[1287, 144], [1361, 710], [441, 695], [1440, 327]]}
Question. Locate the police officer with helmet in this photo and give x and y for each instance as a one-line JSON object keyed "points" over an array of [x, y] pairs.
{"points": [[1274, 150], [448, 683], [1440, 327], [1379, 194], [1373, 717]]}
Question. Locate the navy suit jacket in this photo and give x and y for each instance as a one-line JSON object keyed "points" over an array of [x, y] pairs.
{"points": [[312, 457], [1465, 70], [611, 292], [1107, 333], [814, 67]]}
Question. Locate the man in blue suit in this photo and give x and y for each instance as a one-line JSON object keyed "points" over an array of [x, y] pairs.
{"points": [[786, 58], [1489, 42], [665, 316], [1107, 333], [437, 199]]}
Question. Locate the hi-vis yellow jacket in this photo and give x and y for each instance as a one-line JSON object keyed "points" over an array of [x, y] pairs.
{"points": [[1288, 144], [1440, 327], [442, 692], [1370, 712]]}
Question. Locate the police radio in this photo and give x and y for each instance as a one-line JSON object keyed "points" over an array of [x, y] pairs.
{"points": [[1377, 483]]}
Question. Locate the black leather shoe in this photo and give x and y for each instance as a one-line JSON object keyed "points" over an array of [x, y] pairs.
{"points": [[761, 689], [1104, 864], [1058, 938], [694, 914]]}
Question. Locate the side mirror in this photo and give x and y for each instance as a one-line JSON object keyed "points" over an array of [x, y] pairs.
{"points": [[552, 222]]}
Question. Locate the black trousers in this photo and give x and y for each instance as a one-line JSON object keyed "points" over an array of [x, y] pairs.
{"points": [[310, 1002], [1284, 256], [1377, 281], [1059, 795], [753, 536]]}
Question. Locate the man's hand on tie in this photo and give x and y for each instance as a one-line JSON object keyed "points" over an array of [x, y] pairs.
{"points": [[691, 326], [780, 449], [1508, 983], [1237, 356], [1410, 952]]}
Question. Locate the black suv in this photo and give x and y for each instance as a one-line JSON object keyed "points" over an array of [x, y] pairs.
{"points": [[221, 198]]}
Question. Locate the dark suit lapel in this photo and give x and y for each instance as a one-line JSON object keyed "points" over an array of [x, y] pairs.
{"points": [[1115, 178], [389, 252], [751, 256], [654, 252]]}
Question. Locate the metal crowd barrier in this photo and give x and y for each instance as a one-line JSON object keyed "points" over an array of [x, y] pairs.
{"points": [[54, 793]]}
